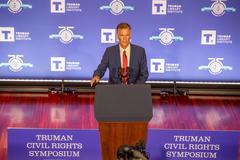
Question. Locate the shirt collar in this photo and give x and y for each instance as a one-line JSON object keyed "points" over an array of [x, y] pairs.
{"points": [[127, 49]]}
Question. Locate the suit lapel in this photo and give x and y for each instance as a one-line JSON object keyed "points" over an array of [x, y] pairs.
{"points": [[117, 56], [131, 56]]}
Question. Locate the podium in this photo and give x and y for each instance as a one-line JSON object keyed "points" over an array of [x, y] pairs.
{"points": [[123, 113]]}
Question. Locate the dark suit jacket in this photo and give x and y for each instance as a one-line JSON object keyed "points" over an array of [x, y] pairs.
{"points": [[111, 59]]}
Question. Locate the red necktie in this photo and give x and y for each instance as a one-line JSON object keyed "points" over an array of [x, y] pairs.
{"points": [[124, 66]]}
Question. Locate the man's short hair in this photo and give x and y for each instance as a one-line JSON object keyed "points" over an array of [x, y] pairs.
{"points": [[123, 26]]}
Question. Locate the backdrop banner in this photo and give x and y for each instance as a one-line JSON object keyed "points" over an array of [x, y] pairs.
{"points": [[65, 144], [193, 145], [53, 144], [184, 40]]}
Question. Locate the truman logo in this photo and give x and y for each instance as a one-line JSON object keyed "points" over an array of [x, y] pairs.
{"points": [[218, 8], [166, 36], [7, 34], [15, 63], [157, 65], [215, 66], [159, 7], [161, 66], [60, 6], [117, 7], [15, 6], [58, 64], [208, 37], [65, 35], [57, 6], [108, 35]]}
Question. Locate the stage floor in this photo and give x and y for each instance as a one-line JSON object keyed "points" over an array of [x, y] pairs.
{"points": [[76, 111]]}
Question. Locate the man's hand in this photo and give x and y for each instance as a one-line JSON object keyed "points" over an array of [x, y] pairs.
{"points": [[94, 80]]}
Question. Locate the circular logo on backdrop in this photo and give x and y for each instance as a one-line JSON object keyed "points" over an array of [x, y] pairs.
{"points": [[15, 64], [116, 7], [15, 6], [166, 37], [218, 8], [215, 67], [66, 36]]}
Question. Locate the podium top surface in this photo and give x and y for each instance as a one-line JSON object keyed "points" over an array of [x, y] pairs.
{"points": [[123, 103]]}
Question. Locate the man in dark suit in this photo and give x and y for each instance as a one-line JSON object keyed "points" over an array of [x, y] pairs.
{"points": [[127, 62]]}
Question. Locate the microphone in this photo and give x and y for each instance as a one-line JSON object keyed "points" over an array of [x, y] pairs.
{"points": [[120, 74], [128, 72], [124, 74]]}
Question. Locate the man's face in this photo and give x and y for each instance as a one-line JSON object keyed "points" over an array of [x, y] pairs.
{"points": [[124, 36]]}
